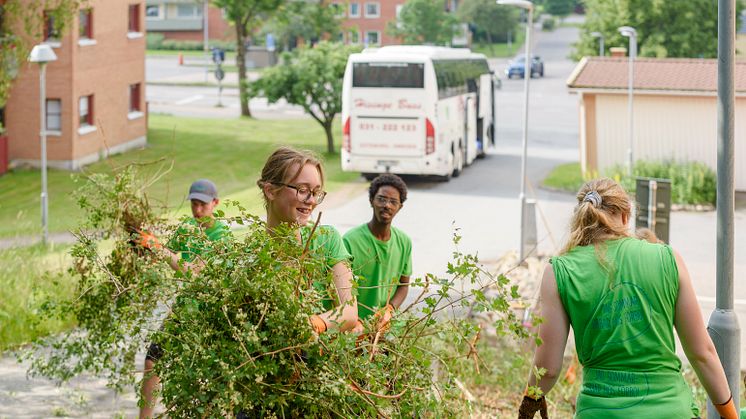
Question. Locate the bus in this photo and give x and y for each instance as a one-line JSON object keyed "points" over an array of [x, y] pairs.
{"points": [[416, 110]]}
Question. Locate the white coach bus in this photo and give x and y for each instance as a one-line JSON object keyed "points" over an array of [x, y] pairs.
{"points": [[417, 110]]}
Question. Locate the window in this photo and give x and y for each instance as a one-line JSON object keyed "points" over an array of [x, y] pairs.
{"points": [[372, 10], [85, 110], [188, 11], [339, 9], [153, 12], [455, 76], [398, 13], [353, 37], [354, 9], [135, 97], [51, 33], [54, 115], [85, 24], [134, 18], [372, 38], [399, 75]]}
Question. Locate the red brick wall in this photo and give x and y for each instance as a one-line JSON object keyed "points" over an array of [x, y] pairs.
{"points": [[218, 28], [363, 24]]}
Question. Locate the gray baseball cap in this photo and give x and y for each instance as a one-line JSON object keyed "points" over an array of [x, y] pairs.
{"points": [[203, 190]]}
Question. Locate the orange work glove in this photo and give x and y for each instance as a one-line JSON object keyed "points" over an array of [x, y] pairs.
{"points": [[727, 410], [318, 324], [383, 317], [148, 240]]}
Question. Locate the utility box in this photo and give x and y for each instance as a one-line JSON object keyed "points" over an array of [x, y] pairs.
{"points": [[653, 198]]}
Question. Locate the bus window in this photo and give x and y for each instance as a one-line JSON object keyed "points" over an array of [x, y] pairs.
{"points": [[398, 75]]}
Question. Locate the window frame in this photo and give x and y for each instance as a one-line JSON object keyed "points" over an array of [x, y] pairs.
{"points": [[354, 15], [85, 32], [372, 15], [160, 15], [135, 97], [133, 18], [86, 120], [48, 114], [50, 34], [367, 38], [196, 9], [350, 40]]}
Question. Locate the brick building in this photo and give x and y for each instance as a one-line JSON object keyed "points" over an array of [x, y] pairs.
{"points": [[95, 90], [183, 20], [364, 22]]}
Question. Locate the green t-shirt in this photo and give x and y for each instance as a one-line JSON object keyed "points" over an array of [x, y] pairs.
{"points": [[326, 243], [623, 326], [378, 265], [189, 238]]}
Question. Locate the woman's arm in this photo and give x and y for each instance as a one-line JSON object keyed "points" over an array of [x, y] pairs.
{"points": [[553, 333], [343, 283], [695, 341]]}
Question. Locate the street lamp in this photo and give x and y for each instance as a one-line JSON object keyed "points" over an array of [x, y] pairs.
{"points": [[600, 37], [630, 33], [527, 70], [43, 54]]}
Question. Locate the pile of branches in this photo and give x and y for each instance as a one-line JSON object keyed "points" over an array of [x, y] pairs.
{"points": [[237, 336]]}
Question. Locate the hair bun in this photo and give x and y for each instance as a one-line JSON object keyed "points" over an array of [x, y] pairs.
{"points": [[594, 198]]}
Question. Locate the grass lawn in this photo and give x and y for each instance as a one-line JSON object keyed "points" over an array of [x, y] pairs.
{"points": [[566, 177], [230, 152], [500, 50], [28, 276], [229, 55]]}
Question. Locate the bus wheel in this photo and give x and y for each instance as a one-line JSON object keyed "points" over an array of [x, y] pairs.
{"points": [[458, 161], [369, 176]]}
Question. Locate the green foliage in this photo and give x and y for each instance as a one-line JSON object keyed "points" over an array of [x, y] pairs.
{"points": [[20, 17], [301, 19], [156, 41], [237, 337], [423, 22], [567, 177], [28, 277], [686, 29], [311, 78], [245, 16], [691, 182], [489, 23], [548, 24], [560, 8]]}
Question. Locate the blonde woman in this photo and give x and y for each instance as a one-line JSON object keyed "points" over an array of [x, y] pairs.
{"points": [[292, 183], [623, 297]]}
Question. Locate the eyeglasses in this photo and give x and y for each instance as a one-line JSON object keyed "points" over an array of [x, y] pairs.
{"points": [[304, 193], [382, 200]]}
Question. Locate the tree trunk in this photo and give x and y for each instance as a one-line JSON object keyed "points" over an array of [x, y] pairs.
{"points": [[241, 62], [329, 138]]}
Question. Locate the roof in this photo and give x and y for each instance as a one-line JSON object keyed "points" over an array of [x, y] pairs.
{"points": [[666, 74]]}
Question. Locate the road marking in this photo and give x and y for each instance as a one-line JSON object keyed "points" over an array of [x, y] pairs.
{"points": [[737, 301], [190, 99]]}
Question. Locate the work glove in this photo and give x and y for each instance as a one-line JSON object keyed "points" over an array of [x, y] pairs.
{"points": [[727, 410], [530, 406], [148, 240], [318, 324], [383, 318]]}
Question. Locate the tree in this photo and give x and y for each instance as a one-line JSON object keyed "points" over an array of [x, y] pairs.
{"points": [[301, 19], [311, 78], [17, 17], [560, 8], [423, 22], [488, 21], [245, 15], [664, 29]]}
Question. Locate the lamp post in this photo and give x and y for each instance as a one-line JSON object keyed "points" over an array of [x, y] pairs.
{"points": [[630, 33], [600, 37], [206, 37], [527, 70], [43, 54]]}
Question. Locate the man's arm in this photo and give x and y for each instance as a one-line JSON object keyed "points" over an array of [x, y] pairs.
{"points": [[401, 292]]}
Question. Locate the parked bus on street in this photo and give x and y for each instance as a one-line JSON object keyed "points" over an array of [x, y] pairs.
{"points": [[416, 110]]}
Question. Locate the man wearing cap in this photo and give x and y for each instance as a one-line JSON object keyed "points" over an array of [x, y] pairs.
{"points": [[186, 245]]}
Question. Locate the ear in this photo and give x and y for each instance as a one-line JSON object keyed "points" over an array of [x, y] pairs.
{"points": [[625, 218], [269, 191], [215, 202]]}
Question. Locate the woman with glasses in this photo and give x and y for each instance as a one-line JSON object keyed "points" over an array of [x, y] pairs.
{"points": [[623, 297], [292, 183]]}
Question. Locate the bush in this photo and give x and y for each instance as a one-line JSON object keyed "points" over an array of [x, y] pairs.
{"points": [[173, 45], [548, 24], [691, 182], [154, 40]]}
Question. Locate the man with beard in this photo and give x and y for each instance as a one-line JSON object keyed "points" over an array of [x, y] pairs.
{"points": [[382, 254]]}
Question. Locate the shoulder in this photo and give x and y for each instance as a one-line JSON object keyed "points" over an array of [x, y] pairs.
{"points": [[401, 236], [356, 232]]}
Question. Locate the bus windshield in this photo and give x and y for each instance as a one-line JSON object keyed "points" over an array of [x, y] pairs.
{"points": [[397, 75]]}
